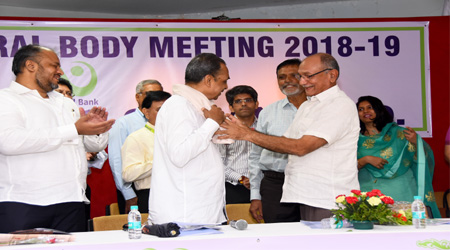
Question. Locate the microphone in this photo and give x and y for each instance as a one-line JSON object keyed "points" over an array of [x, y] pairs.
{"points": [[239, 224]]}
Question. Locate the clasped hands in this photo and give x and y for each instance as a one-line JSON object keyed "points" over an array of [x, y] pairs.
{"points": [[93, 123]]}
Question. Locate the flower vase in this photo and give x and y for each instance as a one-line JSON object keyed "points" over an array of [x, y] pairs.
{"points": [[362, 225]]}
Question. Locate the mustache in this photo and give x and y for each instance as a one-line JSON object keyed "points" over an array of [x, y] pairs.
{"points": [[287, 84]]}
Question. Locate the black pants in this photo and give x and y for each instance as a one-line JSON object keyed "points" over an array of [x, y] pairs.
{"points": [[271, 189], [236, 194], [143, 196], [68, 217], [121, 200]]}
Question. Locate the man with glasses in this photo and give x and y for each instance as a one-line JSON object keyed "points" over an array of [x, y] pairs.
{"points": [[65, 88], [125, 125], [243, 101], [321, 141]]}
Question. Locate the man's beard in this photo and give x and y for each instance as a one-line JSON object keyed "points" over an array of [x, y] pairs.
{"points": [[298, 91], [46, 88]]}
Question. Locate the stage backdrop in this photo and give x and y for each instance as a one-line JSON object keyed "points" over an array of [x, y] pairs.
{"points": [[105, 60]]}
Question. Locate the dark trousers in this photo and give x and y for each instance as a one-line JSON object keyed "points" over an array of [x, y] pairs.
{"points": [[310, 213], [143, 196], [68, 217], [236, 194], [121, 200], [271, 189]]}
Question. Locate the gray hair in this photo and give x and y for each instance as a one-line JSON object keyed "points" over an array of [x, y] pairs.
{"points": [[141, 84]]}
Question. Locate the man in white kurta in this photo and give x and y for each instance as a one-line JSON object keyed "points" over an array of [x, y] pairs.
{"points": [[188, 174]]}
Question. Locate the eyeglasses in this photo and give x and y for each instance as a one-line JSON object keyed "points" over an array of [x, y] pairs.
{"points": [[305, 77], [246, 100], [65, 93]]}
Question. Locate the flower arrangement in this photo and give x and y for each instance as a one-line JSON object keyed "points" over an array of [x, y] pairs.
{"points": [[369, 206]]}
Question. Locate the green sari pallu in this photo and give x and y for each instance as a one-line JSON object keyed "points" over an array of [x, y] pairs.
{"points": [[406, 174]]}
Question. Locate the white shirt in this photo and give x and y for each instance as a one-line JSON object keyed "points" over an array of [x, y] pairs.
{"points": [[137, 157], [188, 174], [315, 179], [42, 157]]}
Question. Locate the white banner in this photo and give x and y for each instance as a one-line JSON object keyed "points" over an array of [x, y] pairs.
{"points": [[105, 60]]}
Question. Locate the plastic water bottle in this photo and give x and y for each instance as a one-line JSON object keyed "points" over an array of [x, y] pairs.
{"points": [[418, 213], [134, 223], [328, 223]]}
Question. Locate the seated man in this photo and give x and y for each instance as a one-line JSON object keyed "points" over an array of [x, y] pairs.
{"points": [[243, 102], [137, 151]]}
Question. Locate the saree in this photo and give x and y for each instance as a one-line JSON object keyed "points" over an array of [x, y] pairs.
{"points": [[409, 171]]}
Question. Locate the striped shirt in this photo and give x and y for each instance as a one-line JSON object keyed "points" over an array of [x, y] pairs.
{"points": [[235, 158]]}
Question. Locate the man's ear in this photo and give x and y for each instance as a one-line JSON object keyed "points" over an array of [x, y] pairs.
{"points": [[208, 79], [31, 65], [334, 74], [231, 108]]}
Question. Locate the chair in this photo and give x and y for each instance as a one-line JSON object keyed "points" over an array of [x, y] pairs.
{"points": [[113, 222], [240, 211], [112, 209], [446, 203]]}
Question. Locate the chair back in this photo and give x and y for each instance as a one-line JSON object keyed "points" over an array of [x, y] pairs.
{"points": [[112, 209], [240, 211], [113, 222]]}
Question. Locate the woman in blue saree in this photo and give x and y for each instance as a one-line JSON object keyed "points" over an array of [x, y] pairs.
{"points": [[391, 158]]}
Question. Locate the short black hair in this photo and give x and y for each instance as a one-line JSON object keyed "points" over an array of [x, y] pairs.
{"points": [[293, 61], [383, 115], [28, 52], [154, 96], [240, 89], [202, 65], [65, 82]]}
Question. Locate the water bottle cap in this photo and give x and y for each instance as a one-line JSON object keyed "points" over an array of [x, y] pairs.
{"points": [[417, 197], [134, 207]]}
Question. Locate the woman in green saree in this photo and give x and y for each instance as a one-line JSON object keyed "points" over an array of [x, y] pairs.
{"points": [[391, 158]]}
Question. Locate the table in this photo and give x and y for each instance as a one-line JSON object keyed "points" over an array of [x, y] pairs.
{"points": [[278, 236]]}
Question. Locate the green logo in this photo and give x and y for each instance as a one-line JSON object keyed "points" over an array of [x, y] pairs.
{"points": [[434, 244], [78, 71]]}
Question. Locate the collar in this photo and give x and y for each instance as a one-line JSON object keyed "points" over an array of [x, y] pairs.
{"points": [[150, 127], [20, 89], [325, 94], [139, 112]]}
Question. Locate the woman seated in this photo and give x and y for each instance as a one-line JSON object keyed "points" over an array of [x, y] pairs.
{"points": [[392, 158]]}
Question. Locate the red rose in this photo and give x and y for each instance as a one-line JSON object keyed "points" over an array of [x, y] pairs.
{"points": [[387, 200], [351, 200], [376, 192], [403, 218], [357, 192]]}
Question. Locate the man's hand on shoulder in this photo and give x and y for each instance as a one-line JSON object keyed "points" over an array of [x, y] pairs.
{"points": [[214, 113], [93, 123]]}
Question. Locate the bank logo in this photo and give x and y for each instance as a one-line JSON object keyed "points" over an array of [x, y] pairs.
{"points": [[81, 75]]}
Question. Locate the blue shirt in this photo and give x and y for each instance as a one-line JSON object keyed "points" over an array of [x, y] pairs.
{"points": [[273, 120], [123, 126]]}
